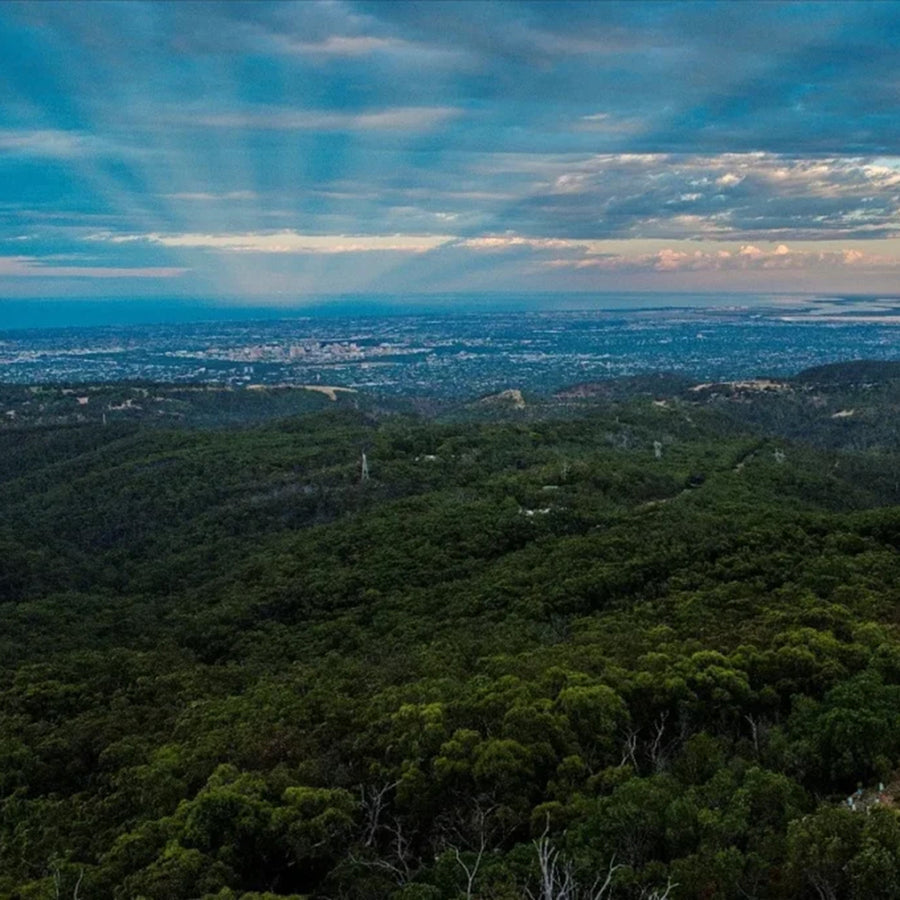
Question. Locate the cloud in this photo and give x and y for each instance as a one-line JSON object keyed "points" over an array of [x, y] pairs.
{"points": [[724, 197], [537, 133], [207, 196], [534, 35], [29, 267], [746, 258], [505, 242], [284, 242], [391, 119], [344, 45], [47, 142], [817, 78]]}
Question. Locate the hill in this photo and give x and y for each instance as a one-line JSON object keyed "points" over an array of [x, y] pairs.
{"points": [[647, 631], [842, 406]]}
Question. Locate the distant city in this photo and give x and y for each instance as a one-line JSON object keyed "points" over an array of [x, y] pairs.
{"points": [[459, 355]]}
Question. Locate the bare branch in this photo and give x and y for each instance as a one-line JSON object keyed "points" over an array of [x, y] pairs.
{"points": [[373, 800], [629, 748], [77, 885], [400, 862], [659, 893], [558, 880]]}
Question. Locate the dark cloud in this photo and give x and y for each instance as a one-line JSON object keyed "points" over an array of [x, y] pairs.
{"points": [[712, 197], [712, 77]]}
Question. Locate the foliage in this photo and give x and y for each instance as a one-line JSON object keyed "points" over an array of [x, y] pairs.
{"points": [[523, 653]]}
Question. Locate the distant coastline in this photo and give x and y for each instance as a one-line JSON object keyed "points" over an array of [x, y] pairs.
{"points": [[18, 314]]}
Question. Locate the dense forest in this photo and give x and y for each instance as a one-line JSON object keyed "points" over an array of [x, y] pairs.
{"points": [[636, 640]]}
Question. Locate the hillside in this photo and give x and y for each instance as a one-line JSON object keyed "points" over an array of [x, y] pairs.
{"points": [[842, 406], [642, 630]]}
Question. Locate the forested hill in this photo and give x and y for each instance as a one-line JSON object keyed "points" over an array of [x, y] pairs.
{"points": [[634, 640], [852, 406]]}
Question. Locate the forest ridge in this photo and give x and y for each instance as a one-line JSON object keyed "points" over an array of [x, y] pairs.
{"points": [[636, 639]]}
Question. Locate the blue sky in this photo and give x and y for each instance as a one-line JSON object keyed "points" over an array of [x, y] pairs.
{"points": [[273, 152]]}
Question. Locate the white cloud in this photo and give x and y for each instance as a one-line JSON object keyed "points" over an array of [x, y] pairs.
{"points": [[670, 260], [506, 242], [285, 242], [45, 143]]}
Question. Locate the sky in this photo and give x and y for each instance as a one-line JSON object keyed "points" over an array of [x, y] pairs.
{"points": [[271, 153]]}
